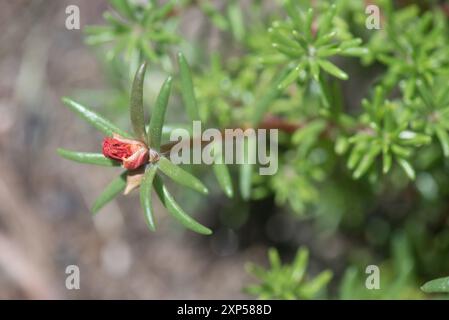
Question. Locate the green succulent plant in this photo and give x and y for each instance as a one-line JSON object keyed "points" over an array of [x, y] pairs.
{"points": [[147, 175]]}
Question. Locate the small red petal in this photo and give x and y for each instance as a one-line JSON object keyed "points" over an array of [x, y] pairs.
{"points": [[133, 154], [136, 160], [113, 148]]}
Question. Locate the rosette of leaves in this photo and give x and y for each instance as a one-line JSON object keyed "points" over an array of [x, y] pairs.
{"points": [[236, 95], [138, 30], [384, 131], [223, 93], [307, 42], [287, 281], [150, 175]]}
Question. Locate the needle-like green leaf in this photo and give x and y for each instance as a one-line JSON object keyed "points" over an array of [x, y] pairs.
{"points": [[145, 196], [158, 115], [300, 264], [188, 93], [181, 176], [310, 288], [176, 210], [274, 258], [89, 158], [94, 119], [224, 179], [436, 286], [236, 20], [290, 78], [112, 190], [444, 139], [425, 94], [293, 13], [333, 69], [136, 107]]}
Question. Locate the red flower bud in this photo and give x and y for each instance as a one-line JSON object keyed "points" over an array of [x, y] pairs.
{"points": [[132, 153]]}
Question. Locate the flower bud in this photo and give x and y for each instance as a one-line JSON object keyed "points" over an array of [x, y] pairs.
{"points": [[132, 153]]}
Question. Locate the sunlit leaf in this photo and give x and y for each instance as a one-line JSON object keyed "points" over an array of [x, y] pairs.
{"points": [[94, 119], [158, 115], [145, 196], [136, 105], [332, 69], [88, 158], [181, 176]]}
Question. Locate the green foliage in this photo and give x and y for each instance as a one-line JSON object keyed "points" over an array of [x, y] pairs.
{"points": [[158, 116], [436, 286], [146, 200], [137, 30], [181, 176], [307, 42], [149, 178], [97, 121], [187, 90], [89, 158], [362, 116], [287, 281]]}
